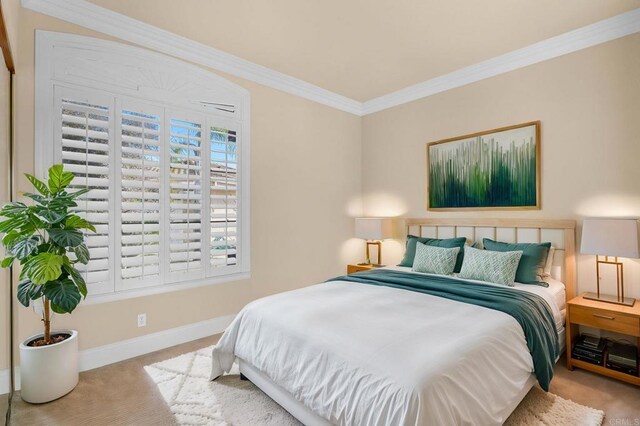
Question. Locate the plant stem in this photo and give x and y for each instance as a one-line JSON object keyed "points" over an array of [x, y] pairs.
{"points": [[47, 323]]}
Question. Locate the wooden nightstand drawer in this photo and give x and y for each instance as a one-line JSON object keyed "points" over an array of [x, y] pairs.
{"points": [[606, 320]]}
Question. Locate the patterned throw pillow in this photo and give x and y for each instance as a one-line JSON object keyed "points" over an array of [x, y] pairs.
{"points": [[534, 257], [435, 260], [492, 266]]}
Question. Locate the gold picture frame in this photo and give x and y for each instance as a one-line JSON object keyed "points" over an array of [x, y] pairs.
{"points": [[497, 169]]}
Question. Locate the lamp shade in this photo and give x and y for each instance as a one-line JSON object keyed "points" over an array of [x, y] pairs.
{"points": [[610, 237], [373, 228]]}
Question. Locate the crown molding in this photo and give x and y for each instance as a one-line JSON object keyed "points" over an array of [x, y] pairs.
{"points": [[91, 16], [591, 35], [94, 17]]}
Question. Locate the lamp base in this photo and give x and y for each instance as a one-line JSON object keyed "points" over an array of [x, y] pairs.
{"points": [[625, 301]]}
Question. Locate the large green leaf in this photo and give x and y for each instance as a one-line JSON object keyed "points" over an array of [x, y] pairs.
{"points": [[7, 261], [63, 293], [66, 237], [49, 216], [43, 267], [28, 291], [13, 209], [77, 278], [39, 185], [80, 192], [58, 178], [62, 202], [12, 223], [57, 309], [82, 253], [11, 237], [36, 197], [76, 222], [33, 222], [25, 246], [23, 292]]}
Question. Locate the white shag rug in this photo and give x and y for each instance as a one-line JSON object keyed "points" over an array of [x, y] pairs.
{"points": [[184, 384]]}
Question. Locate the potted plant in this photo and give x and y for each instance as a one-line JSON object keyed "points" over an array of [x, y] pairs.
{"points": [[46, 238]]}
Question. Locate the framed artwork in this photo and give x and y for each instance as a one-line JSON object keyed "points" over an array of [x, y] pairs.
{"points": [[496, 169]]}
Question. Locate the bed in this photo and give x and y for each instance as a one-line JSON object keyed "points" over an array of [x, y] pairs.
{"points": [[353, 353]]}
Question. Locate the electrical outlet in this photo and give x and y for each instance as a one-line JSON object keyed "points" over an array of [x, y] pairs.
{"points": [[142, 320]]}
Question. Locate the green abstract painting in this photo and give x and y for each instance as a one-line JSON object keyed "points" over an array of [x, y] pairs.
{"points": [[496, 169]]}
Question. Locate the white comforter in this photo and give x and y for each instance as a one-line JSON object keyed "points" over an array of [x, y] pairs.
{"points": [[359, 354]]}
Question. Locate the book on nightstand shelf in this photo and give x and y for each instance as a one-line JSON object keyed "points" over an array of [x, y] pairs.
{"points": [[590, 349], [591, 341]]}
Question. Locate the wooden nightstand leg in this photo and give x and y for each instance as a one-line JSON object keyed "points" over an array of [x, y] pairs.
{"points": [[572, 333]]}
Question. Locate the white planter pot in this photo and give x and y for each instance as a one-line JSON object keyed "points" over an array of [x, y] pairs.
{"points": [[48, 372]]}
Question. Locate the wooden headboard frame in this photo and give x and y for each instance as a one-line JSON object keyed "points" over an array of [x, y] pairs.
{"points": [[561, 233]]}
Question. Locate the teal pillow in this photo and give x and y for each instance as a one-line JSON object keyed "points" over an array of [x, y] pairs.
{"points": [[410, 252], [435, 260], [490, 266], [534, 258]]}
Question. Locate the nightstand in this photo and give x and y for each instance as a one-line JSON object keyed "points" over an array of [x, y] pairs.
{"points": [[351, 268], [603, 316]]}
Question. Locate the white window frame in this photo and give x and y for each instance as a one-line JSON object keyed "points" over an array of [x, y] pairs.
{"points": [[85, 63]]}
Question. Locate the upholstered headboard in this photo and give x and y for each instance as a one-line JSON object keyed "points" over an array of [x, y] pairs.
{"points": [[561, 234]]}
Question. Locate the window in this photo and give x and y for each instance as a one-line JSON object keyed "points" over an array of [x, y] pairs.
{"points": [[167, 177]]}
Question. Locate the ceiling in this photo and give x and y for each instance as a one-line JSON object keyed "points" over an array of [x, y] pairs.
{"points": [[363, 49]]}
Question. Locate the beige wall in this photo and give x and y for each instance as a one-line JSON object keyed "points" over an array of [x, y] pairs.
{"points": [[588, 103], [305, 183], [4, 197]]}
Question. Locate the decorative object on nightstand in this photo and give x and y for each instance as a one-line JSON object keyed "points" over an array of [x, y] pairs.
{"points": [[610, 238], [603, 316], [373, 230]]}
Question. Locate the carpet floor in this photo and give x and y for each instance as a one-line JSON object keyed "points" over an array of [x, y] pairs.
{"points": [[184, 384], [124, 394]]}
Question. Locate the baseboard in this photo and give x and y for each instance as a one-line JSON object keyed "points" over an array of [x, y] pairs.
{"points": [[4, 381], [130, 348], [125, 349]]}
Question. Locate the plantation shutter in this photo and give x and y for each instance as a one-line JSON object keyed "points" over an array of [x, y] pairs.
{"points": [[164, 189], [185, 189], [223, 188], [84, 148], [139, 193]]}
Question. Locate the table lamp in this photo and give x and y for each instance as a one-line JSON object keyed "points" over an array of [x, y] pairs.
{"points": [[606, 239], [373, 230]]}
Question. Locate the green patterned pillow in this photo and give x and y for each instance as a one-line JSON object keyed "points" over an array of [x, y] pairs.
{"points": [[534, 258], [435, 260], [492, 266]]}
